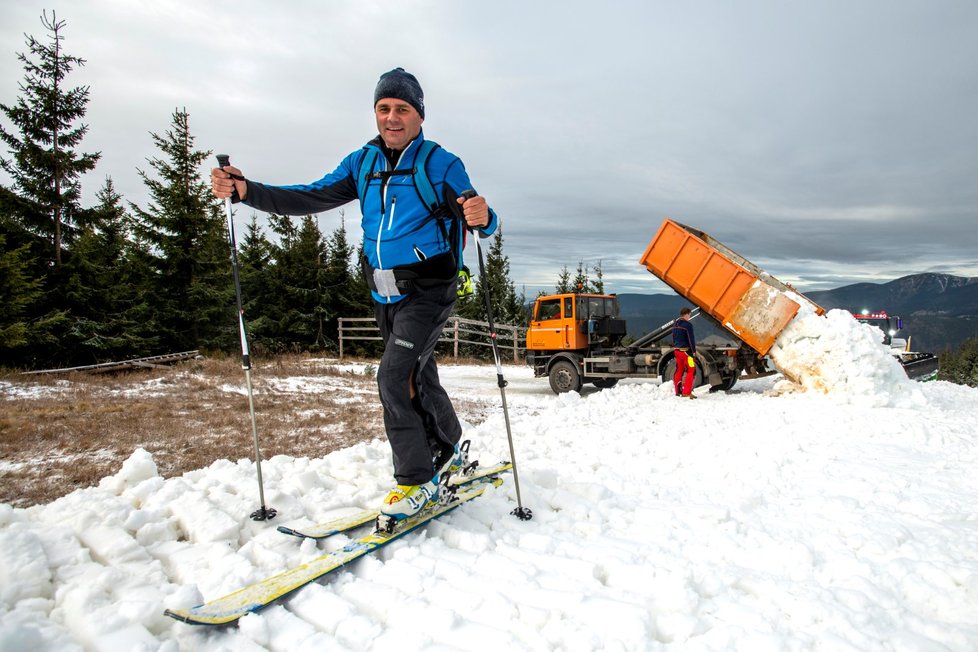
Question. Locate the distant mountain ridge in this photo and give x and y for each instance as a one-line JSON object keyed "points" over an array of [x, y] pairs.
{"points": [[939, 311], [921, 294]]}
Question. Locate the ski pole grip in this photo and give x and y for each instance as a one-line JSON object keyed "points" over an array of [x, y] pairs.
{"points": [[466, 194], [223, 160]]}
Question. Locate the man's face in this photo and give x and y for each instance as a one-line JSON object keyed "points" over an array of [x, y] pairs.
{"points": [[397, 121]]}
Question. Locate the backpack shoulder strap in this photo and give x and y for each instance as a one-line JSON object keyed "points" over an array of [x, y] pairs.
{"points": [[421, 180], [366, 165]]}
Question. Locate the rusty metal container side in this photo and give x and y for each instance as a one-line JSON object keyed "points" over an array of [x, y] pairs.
{"points": [[746, 300], [763, 276]]}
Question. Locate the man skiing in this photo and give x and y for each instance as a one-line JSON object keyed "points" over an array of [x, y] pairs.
{"points": [[409, 191], [684, 342]]}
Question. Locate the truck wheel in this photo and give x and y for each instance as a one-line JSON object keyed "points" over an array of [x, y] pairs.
{"points": [[564, 377], [726, 385], [669, 372], [604, 383]]}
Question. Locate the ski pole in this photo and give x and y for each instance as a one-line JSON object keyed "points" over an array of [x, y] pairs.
{"points": [[262, 513], [522, 513]]}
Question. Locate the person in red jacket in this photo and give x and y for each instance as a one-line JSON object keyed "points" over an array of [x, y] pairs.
{"points": [[684, 341]]}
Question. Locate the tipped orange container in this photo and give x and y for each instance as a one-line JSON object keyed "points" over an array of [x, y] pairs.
{"points": [[746, 300]]}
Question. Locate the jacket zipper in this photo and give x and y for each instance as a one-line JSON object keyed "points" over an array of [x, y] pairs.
{"points": [[383, 204]]}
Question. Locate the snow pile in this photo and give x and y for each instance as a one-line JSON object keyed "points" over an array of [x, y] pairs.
{"points": [[837, 354], [752, 520]]}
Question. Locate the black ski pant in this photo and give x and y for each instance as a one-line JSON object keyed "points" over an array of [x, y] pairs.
{"points": [[410, 329]]}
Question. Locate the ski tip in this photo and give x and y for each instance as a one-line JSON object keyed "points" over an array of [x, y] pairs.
{"points": [[177, 616], [184, 617], [287, 530]]}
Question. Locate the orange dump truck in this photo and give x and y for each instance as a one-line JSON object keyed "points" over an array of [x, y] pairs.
{"points": [[577, 338]]}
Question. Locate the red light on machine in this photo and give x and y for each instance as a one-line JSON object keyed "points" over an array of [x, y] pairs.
{"points": [[873, 315]]}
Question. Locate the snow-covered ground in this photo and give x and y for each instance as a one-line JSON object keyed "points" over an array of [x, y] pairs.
{"points": [[841, 514]]}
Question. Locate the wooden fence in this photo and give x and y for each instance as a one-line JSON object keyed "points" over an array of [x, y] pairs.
{"points": [[152, 362], [457, 331]]}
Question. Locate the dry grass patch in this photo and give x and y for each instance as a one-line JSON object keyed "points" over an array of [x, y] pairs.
{"points": [[61, 433]]}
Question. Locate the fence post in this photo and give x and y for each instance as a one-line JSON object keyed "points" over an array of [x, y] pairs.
{"points": [[455, 331], [516, 345], [341, 337]]}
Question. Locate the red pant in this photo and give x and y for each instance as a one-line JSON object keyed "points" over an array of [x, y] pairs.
{"points": [[683, 385]]}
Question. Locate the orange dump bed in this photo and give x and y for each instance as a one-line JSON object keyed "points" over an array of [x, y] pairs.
{"points": [[746, 300]]}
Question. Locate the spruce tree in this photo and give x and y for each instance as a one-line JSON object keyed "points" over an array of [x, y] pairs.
{"points": [[44, 166], [564, 285], [580, 283], [506, 304], [583, 282], [258, 294], [184, 226], [961, 366], [18, 291], [104, 293], [348, 294], [597, 279], [300, 281]]}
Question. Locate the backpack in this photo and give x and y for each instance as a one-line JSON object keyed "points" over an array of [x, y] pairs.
{"points": [[452, 233]]}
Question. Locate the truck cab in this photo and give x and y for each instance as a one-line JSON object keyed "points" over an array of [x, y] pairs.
{"points": [[574, 322], [566, 329]]}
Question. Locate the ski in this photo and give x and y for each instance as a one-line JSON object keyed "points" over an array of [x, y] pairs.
{"points": [[368, 516], [251, 598]]}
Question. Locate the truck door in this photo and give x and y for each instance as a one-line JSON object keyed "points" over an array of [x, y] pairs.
{"points": [[547, 332]]}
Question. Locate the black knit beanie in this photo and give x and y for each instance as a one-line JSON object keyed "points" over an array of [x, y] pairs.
{"points": [[400, 85]]}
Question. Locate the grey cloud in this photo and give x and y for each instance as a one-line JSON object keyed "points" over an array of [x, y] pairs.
{"points": [[829, 142]]}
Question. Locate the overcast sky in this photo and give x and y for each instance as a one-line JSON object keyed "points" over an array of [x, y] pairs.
{"points": [[828, 142]]}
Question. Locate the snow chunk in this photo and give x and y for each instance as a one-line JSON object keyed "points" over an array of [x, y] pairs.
{"points": [[24, 571], [139, 467]]}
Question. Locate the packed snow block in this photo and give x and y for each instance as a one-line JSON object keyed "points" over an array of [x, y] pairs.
{"points": [[306, 481], [29, 628], [139, 467], [112, 545], [24, 571], [95, 620], [182, 561], [201, 521], [133, 637]]}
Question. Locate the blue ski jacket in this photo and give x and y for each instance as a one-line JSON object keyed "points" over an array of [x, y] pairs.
{"points": [[398, 229]]}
